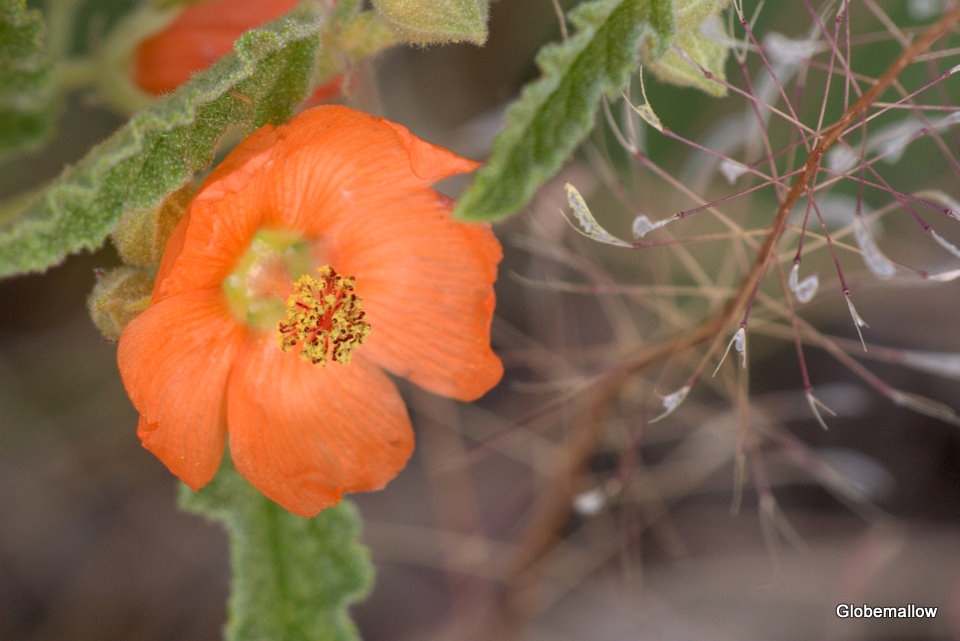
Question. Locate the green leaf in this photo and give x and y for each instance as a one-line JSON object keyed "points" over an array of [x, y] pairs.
{"points": [[555, 113], [693, 18], [424, 22], [27, 108], [293, 578], [158, 150]]}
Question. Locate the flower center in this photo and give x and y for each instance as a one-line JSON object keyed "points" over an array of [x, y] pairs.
{"points": [[324, 318], [271, 291], [263, 278]]}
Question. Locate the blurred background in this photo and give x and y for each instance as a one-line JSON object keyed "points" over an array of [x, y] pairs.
{"points": [[553, 508]]}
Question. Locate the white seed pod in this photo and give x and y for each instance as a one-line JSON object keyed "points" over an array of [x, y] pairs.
{"points": [[874, 259], [805, 289], [643, 226], [671, 402], [586, 223]]}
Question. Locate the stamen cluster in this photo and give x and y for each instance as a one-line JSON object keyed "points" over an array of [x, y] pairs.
{"points": [[323, 317]]}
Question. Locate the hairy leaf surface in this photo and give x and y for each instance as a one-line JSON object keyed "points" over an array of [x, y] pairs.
{"points": [[555, 113], [268, 74]]}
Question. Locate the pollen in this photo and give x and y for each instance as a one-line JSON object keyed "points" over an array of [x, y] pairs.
{"points": [[324, 318]]}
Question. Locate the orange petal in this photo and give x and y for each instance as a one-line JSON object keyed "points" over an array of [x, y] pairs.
{"points": [[174, 359], [427, 287], [243, 162], [327, 165], [431, 162], [170, 254], [304, 434], [219, 223], [199, 35], [338, 163]]}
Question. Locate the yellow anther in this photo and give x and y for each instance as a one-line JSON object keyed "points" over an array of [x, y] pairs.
{"points": [[323, 318]]}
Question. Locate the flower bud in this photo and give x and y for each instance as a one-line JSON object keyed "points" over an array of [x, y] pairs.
{"points": [[118, 297], [363, 35], [424, 22], [141, 235]]}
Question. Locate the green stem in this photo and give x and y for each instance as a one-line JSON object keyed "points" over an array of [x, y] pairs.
{"points": [[75, 73], [60, 16]]}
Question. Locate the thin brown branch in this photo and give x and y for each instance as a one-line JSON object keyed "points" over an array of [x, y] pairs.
{"points": [[552, 510]]}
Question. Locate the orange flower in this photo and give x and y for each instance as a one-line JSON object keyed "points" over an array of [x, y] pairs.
{"points": [[313, 256], [199, 35]]}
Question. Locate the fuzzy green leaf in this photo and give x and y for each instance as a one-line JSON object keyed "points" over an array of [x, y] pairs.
{"points": [[555, 113], [268, 74], [27, 108], [694, 19], [293, 578]]}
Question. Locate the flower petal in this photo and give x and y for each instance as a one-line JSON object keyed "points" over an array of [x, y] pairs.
{"points": [[304, 434], [431, 162], [427, 287], [174, 359], [220, 222], [327, 165], [334, 163]]}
